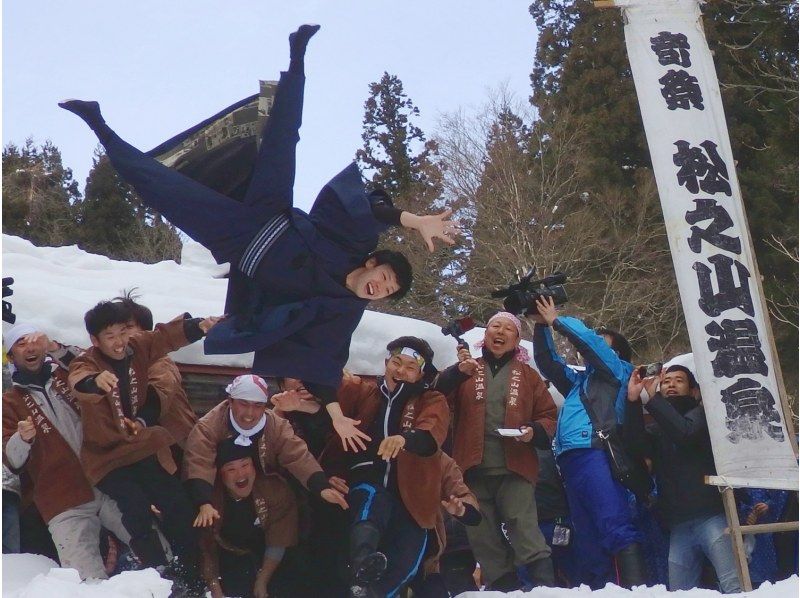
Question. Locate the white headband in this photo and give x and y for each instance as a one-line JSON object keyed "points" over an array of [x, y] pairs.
{"points": [[249, 388], [17, 332], [409, 352]]}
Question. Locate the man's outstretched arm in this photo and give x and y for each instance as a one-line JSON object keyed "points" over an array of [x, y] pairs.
{"points": [[347, 428], [430, 226]]}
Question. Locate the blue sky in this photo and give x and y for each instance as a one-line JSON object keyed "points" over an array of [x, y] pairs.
{"points": [[159, 67]]}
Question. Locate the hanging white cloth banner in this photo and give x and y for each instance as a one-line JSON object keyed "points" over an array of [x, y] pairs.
{"points": [[680, 101]]}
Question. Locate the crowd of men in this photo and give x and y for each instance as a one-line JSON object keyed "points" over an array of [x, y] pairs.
{"points": [[459, 477], [324, 483]]}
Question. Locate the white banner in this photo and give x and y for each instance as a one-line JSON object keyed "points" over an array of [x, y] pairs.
{"points": [[684, 121]]}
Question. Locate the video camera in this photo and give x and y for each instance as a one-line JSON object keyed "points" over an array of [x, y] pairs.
{"points": [[520, 297]]}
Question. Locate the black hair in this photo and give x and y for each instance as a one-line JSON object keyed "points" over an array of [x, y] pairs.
{"points": [[419, 345], [228, 451], [689, 375], [139, 313], [105, 314], [399, 265], [618, 342]]}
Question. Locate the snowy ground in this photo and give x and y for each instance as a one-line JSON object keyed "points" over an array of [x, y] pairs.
{"points": [[33, 576]]}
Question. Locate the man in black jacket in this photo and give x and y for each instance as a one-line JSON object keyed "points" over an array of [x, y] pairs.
{"points": [[680, 448]]}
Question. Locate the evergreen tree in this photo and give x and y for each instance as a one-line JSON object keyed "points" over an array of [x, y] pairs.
{"points": [[581, 66], [114, 222], [394, 149], [38, 195], [399, 158]]}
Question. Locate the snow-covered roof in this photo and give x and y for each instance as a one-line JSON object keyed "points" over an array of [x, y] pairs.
{"points": [[55, 286]]}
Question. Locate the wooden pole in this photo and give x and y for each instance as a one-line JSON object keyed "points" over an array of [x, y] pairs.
{"points": [[604, 3], [737, 541], [767, 528]]}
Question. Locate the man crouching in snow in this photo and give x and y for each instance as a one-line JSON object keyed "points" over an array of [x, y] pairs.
{"points": [[125, 453], [42, 435], [271, 442], [257, 522], [395, 484]]}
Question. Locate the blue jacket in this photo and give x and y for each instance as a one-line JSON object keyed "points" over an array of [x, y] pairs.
{"points": [[603, 384]]}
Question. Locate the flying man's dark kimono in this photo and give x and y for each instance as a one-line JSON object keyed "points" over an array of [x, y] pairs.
{"points": [[287, 293]]}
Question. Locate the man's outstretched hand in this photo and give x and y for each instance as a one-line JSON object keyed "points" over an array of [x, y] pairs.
{"points": [[206, 516], [353, 439], [433, 226], [547, 311], [455, 506]]}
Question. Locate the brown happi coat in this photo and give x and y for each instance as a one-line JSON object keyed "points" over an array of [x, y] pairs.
{"points": [[527, 401], [278, 447], [452, 485], [107, 443], [59, 483], [418, 478], [177, 415], [276, 510]]}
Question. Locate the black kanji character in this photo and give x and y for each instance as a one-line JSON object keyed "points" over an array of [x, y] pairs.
{"points": [[750, 412], [738, 348], [681, 90], [671, 48], [729, 296], [707, 166], [707, 209]]}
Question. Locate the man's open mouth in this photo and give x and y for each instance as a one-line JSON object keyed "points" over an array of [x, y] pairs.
{"points": [[241, 484], [370, 289]]}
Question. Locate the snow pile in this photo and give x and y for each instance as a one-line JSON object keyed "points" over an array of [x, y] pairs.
{"points": [[782, 589], [55, 286], [35, 576]]}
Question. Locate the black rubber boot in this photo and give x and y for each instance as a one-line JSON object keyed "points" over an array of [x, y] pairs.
{"points": [[631, 566], [148, 550], [508, 582], [367, 564], [541, 573]]}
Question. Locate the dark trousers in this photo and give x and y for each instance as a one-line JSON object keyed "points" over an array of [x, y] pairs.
{"points": [[223, 225], [599, 510], [401, 539], [565, 560], [34, 537], [135, 487], [11, 542], [238, 573]]}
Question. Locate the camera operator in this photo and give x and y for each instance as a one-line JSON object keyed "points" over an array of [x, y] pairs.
{"points": [[500, 390], [678, 443], [597, 501]]}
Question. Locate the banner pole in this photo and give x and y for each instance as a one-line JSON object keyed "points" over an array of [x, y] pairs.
{"points": [[735, 530]]}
